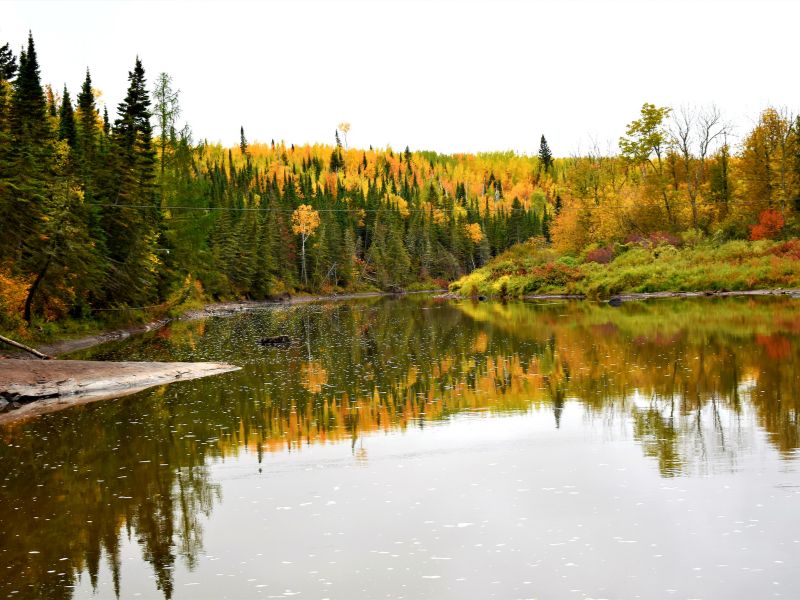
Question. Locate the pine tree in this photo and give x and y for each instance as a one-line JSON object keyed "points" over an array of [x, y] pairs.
{"points": [[66, 121], [545, 156], [132, 224], [8, 68], [242, 141], [24, 194], [87, 132], [8, 63]]}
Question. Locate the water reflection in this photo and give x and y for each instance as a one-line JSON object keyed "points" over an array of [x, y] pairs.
{"points": [[693, 381]]}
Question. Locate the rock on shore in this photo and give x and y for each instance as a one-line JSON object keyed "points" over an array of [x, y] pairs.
{"points": [[55, 384]]}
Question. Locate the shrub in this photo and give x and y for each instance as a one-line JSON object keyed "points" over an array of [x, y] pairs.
{"points": [[569, 261], [602, 256], [790, 249], [770, 223]]}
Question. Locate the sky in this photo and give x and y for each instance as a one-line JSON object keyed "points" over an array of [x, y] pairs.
{"points": [[450, 76]]}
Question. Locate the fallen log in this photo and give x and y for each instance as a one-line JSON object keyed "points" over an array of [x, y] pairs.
{"points": [[33, 351]]}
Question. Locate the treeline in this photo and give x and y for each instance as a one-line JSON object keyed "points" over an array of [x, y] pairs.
{"points": [[679, 177], [100, 214]]}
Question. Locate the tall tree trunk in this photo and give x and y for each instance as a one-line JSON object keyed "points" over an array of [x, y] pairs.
{"points": [[34, 287]]}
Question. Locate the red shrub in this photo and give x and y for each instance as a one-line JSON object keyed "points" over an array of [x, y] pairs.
{"points": [[789, 249], [770, 223], [601, 255]]}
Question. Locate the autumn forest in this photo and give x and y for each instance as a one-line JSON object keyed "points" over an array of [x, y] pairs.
{"points": [[106, 214]]}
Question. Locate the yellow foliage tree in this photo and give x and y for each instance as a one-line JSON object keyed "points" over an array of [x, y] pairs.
{"points": [[474, 232], [305, 221]]}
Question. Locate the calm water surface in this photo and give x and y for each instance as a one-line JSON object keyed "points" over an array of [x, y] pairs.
{"points": [[412, 448]]}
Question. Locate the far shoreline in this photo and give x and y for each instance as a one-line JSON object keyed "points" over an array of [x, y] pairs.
{"points": [[229, 308], [632, 296]]}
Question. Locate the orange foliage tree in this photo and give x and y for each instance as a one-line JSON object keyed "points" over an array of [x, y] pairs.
{"points": [[770, 223]]}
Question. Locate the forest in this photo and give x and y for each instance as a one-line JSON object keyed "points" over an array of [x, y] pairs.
{"points": [[114, 215]]}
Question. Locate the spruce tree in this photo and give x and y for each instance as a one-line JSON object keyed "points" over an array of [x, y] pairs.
{"points": [[66, 121], [8, 63], [242, 141], [8, 68], [24, 197], [545, 156], [87, 132], [132, 224]]}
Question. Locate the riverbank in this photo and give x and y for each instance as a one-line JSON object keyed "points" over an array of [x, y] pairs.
{"points": [[639, 270], [626, 297]]}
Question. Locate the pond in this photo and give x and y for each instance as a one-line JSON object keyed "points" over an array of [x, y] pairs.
{"points": [[420, 448]]}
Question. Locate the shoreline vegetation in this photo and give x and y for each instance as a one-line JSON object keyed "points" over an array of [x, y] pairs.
{"points": [[639, 270]]}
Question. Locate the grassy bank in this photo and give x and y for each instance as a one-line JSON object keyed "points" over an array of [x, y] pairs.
{"points": [[665, 266]]}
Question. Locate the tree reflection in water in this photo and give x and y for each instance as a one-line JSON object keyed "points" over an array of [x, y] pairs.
{"points": [[692, 380]]}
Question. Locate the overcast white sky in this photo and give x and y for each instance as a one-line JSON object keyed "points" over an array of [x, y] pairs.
{"points": [[447, 76]]}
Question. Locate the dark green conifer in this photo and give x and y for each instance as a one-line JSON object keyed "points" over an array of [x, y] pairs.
{"points": [[242, 141], [132, 223], [545, 156], [66, 121], [8, 63]]}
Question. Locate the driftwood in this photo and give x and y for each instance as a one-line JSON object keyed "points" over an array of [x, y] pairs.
{"points": [[33, 351]]}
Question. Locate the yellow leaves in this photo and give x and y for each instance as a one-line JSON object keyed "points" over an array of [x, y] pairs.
{"points": [[439, 218], [400, 204], [474, 232], [305, 220]]}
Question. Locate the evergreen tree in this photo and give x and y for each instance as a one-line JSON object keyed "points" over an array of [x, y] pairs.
{"points": [[131, 225], [515, 222], [66, 121], [8, 63], [545, 156], [87, 134], [8, 68], [106, 122], [24, 193], [242, 141]]}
